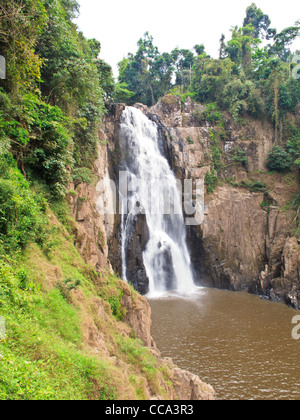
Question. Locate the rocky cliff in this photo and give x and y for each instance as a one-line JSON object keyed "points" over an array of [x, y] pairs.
{"points": [[248, 237], [97, 236], [248, 240]]}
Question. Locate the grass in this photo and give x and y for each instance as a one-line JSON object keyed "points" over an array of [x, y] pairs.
{"points": [[45, 355], [65, 338]]}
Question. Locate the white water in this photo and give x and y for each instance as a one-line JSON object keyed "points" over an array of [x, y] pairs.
{"points": [[155, 193]]}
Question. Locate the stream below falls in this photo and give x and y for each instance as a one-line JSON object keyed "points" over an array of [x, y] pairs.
{"points": [[236, 342]]}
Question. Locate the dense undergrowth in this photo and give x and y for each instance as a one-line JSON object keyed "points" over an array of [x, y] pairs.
{"points": [[44, 354], [51, 106]]}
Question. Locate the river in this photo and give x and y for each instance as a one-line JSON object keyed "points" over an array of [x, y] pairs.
{"points": [[236, 342]]}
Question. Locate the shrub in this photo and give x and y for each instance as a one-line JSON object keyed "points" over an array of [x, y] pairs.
{"points": [[211, 114], [240, 98], [279, 159], [39, 139], [239, 155], [21, 216], [50, 150], [254, 186], [211, 181]]}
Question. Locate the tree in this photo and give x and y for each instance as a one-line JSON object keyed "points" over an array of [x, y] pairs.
{"points": [[276, 73], [222, 50], [258, 20], [199, 48], [279, 159], [240, 97], [241, 46], [21, 21], [183, 61], [283, 40], [210, 77], [147, 73]]}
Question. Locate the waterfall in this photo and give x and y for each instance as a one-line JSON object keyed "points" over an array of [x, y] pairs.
{"points": [[153, 191]]}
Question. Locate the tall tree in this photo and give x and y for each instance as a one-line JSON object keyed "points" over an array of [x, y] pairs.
{"points": [[147, 73], [259, 21], [21, 21]]}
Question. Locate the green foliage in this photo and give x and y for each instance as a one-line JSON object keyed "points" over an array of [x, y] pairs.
{"points": [[138, 355], [279, 159], [247, 79], [254, 186], [147, 73], [41, 357], [21, 211], [82, 175], [256, 18], [122, 93], [50, 134], [20, 25], [116, 306], [240, 98], [239, 155], [211, 181], [293, 144], [213, 115], [67, 286], [74, 78], [113, 294], [216, 153], [39, 139], [210, 78]]}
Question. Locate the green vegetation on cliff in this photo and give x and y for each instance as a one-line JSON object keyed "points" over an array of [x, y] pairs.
{"points": [[65, 335], [256, 74]]}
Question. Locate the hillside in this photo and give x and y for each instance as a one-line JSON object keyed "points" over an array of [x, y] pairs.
{"points": [[74, 329]]}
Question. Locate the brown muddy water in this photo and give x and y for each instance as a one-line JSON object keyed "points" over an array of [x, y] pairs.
{"points": [[236, 342]]}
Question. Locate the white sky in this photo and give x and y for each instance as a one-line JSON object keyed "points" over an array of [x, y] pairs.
{"points": [[119, 24]]}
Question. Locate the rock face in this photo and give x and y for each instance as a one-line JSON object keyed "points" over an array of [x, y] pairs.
{"points": [[245, 239], [233, 234], [138, 316], [95, 208], [186, 385], [190, 387], [244, 242], [94, 229]]}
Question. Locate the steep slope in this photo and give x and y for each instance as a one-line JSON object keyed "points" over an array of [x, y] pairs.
{"points": [[75, 333]]}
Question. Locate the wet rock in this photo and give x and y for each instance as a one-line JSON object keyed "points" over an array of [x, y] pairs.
{"points": [[137, 239]]}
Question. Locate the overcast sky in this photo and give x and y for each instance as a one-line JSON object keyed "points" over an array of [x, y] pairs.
{"points": [[118, 24]]}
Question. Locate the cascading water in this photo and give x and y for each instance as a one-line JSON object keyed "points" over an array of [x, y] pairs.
{"points": [[155, 193]]}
